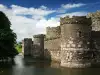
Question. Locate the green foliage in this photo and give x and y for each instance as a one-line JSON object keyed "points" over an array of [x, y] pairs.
{"points": [[7, 37], [19, 47]]}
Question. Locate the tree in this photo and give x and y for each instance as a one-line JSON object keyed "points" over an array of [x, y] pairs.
{"points": [[7, 37]]}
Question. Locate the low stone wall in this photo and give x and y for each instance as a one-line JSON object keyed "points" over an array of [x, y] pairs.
{"points": [[52, 49]]}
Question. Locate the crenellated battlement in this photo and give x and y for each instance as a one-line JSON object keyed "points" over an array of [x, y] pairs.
{"points": [[39, 36], [53, 32], [53, 28], [75, 20], [95, 15], [27, 39]]}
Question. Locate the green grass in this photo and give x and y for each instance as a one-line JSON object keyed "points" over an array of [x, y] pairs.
{"points": [[19, 48]]}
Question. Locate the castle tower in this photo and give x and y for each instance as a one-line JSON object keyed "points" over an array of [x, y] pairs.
{"points": [[75, 42], [95, 17], [27, 46], [38, 50], [53, 32]]}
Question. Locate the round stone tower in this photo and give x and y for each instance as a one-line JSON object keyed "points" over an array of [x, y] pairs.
{"points": [[27, 46], [38, 50], [75, 42]]}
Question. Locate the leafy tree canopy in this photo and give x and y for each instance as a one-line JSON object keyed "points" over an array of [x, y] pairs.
{"points": [[7, 37]]}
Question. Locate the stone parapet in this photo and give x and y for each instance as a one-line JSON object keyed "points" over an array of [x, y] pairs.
{"points": [[53, 32], [94, 15], [75, 20], [39, 36]]}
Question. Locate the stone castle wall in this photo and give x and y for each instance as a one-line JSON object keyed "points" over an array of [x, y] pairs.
{"points": [[75, 43], [27, 46], [38, 46], [96, 38], [53, 32], [96, 43], [52, 42], [53, 46], [95, 20]]}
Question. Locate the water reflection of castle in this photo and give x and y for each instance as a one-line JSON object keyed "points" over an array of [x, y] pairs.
{"points": [[75, 43]]}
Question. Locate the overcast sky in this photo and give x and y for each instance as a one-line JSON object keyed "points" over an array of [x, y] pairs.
{"points": [[30, 17]]}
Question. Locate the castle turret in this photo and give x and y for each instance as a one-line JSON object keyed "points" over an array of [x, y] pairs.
{"points": [[27, 46], [38, 50], [53, 32], [75, 42]]}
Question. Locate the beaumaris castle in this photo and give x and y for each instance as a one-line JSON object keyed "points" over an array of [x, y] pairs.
{"points": [[75, 43]]}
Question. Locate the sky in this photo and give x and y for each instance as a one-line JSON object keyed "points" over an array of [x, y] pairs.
{"points": [[31, 17]]}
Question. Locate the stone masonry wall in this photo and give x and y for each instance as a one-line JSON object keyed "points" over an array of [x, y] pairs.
{"points": [[53, 47], [38, 46], [75, 41], [96, 42], [53, 32], [27, 46], [95, 20], [95, 17], [96, 38]]}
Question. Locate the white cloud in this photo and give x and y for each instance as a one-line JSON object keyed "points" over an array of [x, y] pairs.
{"points": [[43, 7], [2, 6], [22, 25], [42, 24], [25, 27], [43, 11], [69, 6], [66, 7]]}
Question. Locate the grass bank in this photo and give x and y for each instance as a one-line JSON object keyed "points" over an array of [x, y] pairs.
{"points": [[19, 48]]}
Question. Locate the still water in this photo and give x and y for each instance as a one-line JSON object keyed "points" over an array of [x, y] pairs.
{"points": [[28, 66]]}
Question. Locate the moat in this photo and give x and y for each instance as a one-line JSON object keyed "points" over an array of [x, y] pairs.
{"points": [[28, 66]]}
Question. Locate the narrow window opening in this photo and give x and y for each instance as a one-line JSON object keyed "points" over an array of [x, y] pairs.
{"points": [[79, 34]]}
